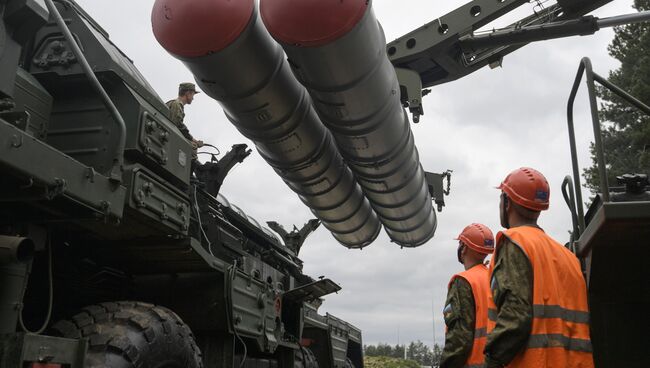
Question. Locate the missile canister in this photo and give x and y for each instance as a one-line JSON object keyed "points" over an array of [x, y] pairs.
{"points": [[337, 50], [235, 61]]}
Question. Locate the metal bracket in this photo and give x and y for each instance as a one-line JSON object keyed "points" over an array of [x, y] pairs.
{"points": [[7, 104], [55, 53], [20, 119], [410, 86], [435, 182], [56, 188], [212, 174], [295, 238], [311, 291]]}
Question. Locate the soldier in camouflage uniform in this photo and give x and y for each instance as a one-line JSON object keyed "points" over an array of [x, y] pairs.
{"points": [[538, 313], [514, 283], [186, 92], [467, 298]]}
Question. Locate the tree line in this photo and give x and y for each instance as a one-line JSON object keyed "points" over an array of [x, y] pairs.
{"points": [[416, 351]]}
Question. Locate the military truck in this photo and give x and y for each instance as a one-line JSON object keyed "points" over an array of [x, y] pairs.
{"points": [[112, 254]]}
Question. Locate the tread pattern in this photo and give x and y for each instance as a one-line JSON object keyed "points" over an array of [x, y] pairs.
{"points": [[305, 358], [348, 363], [132, 334]]}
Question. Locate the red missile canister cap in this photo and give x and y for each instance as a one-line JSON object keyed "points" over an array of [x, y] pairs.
{"points": [[311, 22], [192, 28]]}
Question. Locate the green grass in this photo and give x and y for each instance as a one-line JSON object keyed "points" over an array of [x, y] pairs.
{"points": [[387, 362]]}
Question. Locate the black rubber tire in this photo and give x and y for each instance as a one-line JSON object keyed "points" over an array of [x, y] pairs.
{"points": [[132, 334], [305, 358]]}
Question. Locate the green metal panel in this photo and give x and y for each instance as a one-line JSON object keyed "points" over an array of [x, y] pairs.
{"points": [[100, 51], [40, 165], [155, 141], [248, 305], [20, 348], [338, 332], [253, 310], [615, 247], [166, 208], [31, 97], [313, 319]]}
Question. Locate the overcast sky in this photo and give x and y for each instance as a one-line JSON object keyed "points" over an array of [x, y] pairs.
{"points": [[482, 127]]}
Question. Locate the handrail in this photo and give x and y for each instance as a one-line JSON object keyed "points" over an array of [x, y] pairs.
{"points": [[585, 69], [569, 197]]}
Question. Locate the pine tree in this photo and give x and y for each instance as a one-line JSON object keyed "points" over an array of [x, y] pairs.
{"points": [[626, 131]]}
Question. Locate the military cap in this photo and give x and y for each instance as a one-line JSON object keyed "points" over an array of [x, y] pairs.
{"points": [[187, 87]]}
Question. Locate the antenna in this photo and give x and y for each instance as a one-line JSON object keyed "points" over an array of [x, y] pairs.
{"points": [[398, 335], [433, 316], [433, 348]]}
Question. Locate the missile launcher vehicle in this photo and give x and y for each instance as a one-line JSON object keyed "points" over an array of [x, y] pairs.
{"points": [[112, 254], [116, 250]]}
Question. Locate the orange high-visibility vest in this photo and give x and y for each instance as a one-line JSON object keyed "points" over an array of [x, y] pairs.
{"points": [[560, 332], [477, 277]]}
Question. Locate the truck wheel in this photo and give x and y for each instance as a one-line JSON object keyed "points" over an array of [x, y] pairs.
{"points": [[132, 334], [305, 358]]}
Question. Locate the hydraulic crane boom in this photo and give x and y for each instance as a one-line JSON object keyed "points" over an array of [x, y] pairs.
{"points": [[449, 47]]}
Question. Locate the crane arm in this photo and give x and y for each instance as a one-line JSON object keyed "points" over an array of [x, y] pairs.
{"points": [[447, 48]]}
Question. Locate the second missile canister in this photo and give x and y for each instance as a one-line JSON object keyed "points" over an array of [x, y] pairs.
{"points": [[337, 50], [235, 61]]}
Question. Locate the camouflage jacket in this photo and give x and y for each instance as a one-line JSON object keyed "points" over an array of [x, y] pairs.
{"points": [[177, 114], [512, 291], [460, 319]]}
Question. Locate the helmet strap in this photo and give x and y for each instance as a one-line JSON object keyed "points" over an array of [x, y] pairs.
{"points": [[459, 252], [504, 211]]}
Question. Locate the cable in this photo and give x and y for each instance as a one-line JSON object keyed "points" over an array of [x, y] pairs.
{"points": [[51, 288], [241, 364], [198, 215], [209, 145], [231, 276]]}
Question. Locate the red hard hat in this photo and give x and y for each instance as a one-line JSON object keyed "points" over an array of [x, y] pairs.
{"points": [[528, 188], [478, 237]]}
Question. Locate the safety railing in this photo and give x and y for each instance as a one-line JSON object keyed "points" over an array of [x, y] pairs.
{"points": [[585, 69]]}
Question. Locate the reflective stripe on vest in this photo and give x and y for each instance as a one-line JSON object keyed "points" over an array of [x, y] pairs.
{"points": [[560, 329], [492, 316], [551, 311], [557, 340], [480, 332], [477, 277], [556, 311]]}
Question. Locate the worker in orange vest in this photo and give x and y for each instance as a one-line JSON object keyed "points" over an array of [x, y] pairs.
{"points": [[538, 314], [467, 301]]}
